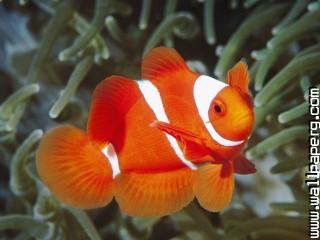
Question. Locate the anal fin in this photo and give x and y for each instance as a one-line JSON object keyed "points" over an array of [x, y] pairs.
{"points": [[154, 194]]}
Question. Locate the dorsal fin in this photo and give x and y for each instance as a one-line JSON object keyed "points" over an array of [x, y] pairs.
{"points": [[111, 100], [163, 63]]}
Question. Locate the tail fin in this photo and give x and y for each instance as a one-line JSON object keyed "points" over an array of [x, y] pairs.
{"points": [[75, 172]]}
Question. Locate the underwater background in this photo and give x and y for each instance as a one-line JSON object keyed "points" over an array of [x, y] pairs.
{"points": [[54, 52]]}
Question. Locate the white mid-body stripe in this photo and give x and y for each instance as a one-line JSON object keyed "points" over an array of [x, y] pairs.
{"points": [[153, 99], [204, 91], [112, 157]]}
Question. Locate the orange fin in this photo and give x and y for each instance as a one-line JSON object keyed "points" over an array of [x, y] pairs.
{"points": [[111, 100], [193, 147], [238, 77], [78, 174], [154, 194], [214, 184], [243, 166], [163, 63]]}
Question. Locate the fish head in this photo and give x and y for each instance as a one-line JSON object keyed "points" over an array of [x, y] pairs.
{"points": [[231, 110]]}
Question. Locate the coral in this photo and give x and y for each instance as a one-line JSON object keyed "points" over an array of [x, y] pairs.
{"points": [[55, 53]]}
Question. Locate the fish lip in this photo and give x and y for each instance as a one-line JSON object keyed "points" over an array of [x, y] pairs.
{"points": [[245, 118]]}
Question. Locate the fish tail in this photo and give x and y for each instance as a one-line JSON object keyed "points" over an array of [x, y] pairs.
{"points": [[75, 171], [154, 194]]}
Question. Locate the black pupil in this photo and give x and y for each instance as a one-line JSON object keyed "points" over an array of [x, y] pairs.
{"points": [[217, 108]]}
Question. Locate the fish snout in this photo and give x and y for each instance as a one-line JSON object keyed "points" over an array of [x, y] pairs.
{"points": [[243, 125]]}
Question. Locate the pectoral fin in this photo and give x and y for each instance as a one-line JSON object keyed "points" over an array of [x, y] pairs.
{"points": [[193, 145]]}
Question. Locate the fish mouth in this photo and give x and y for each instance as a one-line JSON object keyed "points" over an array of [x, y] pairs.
{"points": [[243, 124]]}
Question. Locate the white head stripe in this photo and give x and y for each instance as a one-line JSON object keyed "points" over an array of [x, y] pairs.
{"points": [[204, 91], [112, 157], [153, 99]]}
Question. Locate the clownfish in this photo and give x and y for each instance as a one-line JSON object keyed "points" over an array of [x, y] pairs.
{"points": [[154, 144]]}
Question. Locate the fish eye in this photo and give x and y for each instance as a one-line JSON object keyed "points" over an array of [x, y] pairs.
{"points": [[218, 107]]}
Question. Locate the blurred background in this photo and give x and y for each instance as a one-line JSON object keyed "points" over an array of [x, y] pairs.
{"points": [[54, 52]]}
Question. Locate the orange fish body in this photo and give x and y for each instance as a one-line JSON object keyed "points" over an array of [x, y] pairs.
{"points": [[156, 143]]}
